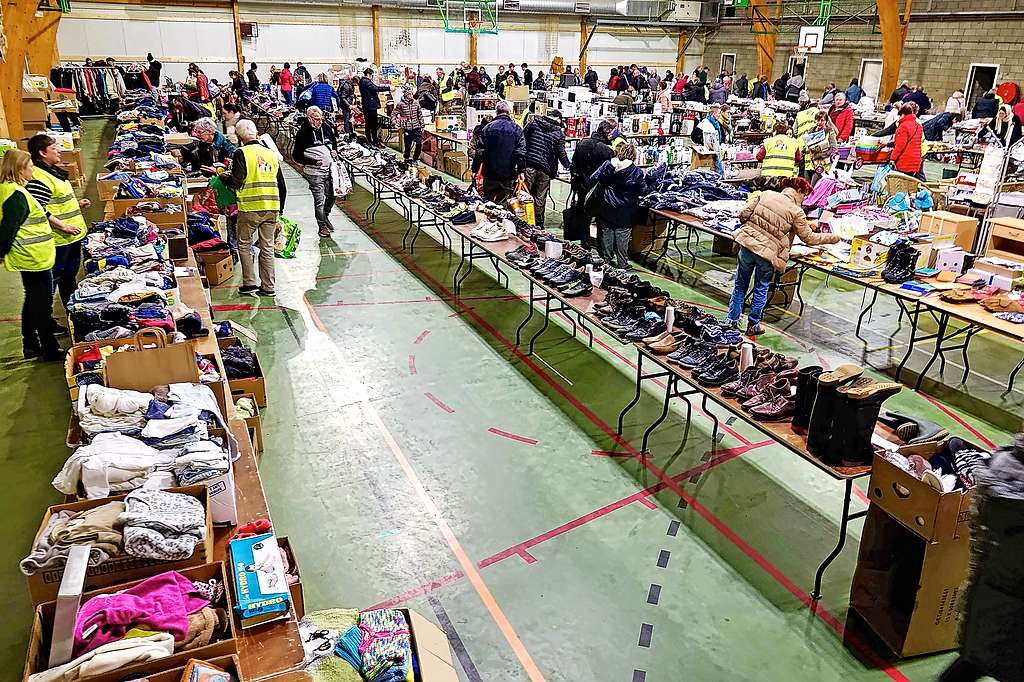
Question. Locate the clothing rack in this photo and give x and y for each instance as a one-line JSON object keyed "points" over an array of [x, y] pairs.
{"points": [[97, 87]]}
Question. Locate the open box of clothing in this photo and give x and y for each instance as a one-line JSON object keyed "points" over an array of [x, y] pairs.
{"points": [[195, 621], [114, 559]]}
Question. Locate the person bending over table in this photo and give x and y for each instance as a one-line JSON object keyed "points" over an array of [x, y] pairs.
{"points": [[769, 222]]}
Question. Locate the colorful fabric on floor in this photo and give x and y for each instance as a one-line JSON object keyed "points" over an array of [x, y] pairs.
{"points": [[322, 633], [385, 643]]}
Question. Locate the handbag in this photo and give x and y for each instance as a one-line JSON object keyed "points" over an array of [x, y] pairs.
{"points": [[592, 202], [575, 220]]}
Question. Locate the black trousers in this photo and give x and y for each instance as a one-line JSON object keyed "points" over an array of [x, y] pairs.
{"points": [[346, 115], [372, 127], [413, 138], [37, 312], [65, 270]]}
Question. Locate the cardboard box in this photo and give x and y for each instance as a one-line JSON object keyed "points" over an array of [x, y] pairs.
{"points": [[217, 265], [906, 588], [73, 157], [964, 228], [256, 387], [1010, 269], [228, 664], [152, 363], [178, 138], [76, 351], [517, 93], [33, 108], [456, 164], [431, 648], [298, 603], [260, 586], [177, 247], [106, 189], [43, 585], [117, 208], [42, 624], [933, 515]]}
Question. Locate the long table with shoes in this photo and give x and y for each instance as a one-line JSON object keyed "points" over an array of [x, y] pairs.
{"points": [[579, 311], [947, 337]]}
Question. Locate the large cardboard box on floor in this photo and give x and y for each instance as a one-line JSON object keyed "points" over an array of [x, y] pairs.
{"points": [[43, 584], [430, 646], [217, 265], [42, 628]]}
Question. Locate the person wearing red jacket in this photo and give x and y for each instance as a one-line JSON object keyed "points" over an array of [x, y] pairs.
{"points": [[841, 114], [286, 81], [906, 153]]}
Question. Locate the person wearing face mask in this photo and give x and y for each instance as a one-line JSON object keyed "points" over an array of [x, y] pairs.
{"points": [[409, 117], [27, 247], [50, 187], [315, 144]]}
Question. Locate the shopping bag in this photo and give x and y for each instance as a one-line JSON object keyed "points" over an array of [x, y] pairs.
{"points": [[522, 204], [340, 179], [878, 183], [287, 238]]}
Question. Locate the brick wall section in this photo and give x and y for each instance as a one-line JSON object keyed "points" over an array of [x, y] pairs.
{"points": [[937, 54]]}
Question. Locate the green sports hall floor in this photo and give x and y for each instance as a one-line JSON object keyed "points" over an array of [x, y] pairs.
{"points": [[414, 456]]}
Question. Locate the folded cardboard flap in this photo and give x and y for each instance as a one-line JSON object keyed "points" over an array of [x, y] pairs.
{"points": [[430, 645]]}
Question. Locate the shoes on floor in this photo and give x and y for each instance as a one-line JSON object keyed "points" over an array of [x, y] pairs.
{"points": [[323, 232], [248, 289], [265, 292]]}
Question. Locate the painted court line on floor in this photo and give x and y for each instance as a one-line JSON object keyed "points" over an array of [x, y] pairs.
{"points": [[419, 339], [434, 399], [827, 617], [470, 571], [412, 364], [458, 646], [512, 436]]}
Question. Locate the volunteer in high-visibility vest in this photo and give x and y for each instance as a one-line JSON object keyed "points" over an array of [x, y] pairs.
{"points": [[451, 86], [259, 185], [780, 154], [804, 122], [26, 246], [50, 187]]}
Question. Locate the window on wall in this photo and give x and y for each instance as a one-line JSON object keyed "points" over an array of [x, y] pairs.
{"points": [[728, 62], [871, 77], [980, 79]]}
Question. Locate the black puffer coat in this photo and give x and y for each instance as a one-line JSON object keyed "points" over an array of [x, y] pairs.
{"points": [[545, 145], [590, 154], [992, 636]]}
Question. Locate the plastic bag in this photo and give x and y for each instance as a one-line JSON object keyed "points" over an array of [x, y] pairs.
{"points": [[342, 182], [287, 238], [521, 203], [878, 183]]}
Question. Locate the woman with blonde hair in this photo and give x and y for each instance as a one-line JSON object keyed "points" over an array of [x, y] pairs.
{"points": [[27, 246]]}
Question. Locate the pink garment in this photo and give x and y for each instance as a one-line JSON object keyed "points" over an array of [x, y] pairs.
{"points": [[161, 603], [818, 197]]}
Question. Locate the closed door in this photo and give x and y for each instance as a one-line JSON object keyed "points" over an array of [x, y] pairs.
{"points": [[871, 77]]}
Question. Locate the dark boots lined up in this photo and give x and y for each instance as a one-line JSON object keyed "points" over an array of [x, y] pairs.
{"points": [[838, 410]]}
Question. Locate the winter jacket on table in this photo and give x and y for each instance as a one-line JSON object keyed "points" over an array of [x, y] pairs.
{"points": [[842, 119], [906, 152], [920, 99], [590, 154], [769, 222], [501, 150], [369, 93], [621, 185], [986, 107], [545, 145]]}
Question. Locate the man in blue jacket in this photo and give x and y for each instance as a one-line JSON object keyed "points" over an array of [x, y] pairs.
{"points": [[369, 97], [501, 150]]}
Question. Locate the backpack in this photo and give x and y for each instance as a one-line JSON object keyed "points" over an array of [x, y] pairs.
{"points": [[613, 83]]}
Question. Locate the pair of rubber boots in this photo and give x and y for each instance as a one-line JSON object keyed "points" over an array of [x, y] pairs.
{"points": [[838, 410]]}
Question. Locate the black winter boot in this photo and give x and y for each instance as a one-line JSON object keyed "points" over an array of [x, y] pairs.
{"points": [[856, 414], [806, 390], [820, 425]]}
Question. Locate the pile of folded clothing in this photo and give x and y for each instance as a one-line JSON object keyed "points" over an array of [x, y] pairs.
{"points": [[239, 362], [164, 444], [720, 215], [162, 525], [137, 143], [681, 190], [345, 644], [99, 527], [161, 616]]}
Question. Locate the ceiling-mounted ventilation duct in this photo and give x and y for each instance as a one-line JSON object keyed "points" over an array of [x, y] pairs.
{"points": [[648, 10]]}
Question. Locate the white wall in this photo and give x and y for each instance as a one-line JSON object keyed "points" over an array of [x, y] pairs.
{"points": [[321, 35]]}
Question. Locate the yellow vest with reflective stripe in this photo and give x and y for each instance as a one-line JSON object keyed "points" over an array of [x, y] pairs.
{"points": [[448, 90], [804, 122], [259, 192], [780, 156], [63, 205], [33, 248]]}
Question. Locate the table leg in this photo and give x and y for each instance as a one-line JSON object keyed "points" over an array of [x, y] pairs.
{"points": [[669, 386], [691, 233], [714, 417], [408, 229], [585, 328], [943, 322], [462, 262], [547, 321], [412, 244], [913, 317], [1013, 375], [963, 353], [529, 315], [860, 319], [843, 526], [636, 396], [469, 268]]}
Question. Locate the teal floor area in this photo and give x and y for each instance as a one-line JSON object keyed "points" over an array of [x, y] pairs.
{"points": [[415, 456]]}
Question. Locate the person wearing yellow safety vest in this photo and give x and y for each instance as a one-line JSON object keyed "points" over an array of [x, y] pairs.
{"points": [[50, 187], [780, 154], [451, 86], [259, 185], [26, 246], [804, 122]]}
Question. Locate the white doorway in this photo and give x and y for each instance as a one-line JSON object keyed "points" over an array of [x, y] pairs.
{"points": [[871, 77], [980, 79], [797, 66], [728, 63]]}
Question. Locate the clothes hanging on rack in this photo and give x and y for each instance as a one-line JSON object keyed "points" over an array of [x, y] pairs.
{"points": [[98, 88]]}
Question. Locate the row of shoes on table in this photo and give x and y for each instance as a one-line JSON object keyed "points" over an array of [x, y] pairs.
{"points": [[568, 273]]}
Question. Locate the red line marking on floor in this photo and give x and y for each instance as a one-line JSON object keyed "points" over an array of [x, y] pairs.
{"points": [[527, 557], [413, 301], [412, 364], [459, 313], [647, 503], [419, 339], [10, 319], [958, 419], [758, 558], [434, 399], [344, 275], [859, 494], [418, 591], [512, 436], [229, 307]]}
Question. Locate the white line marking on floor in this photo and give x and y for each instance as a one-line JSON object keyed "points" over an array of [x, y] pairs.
{"points": [[549, 366]]}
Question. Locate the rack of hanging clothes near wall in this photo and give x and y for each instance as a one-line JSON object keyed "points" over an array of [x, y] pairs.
{"points": [[99, 88]]}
